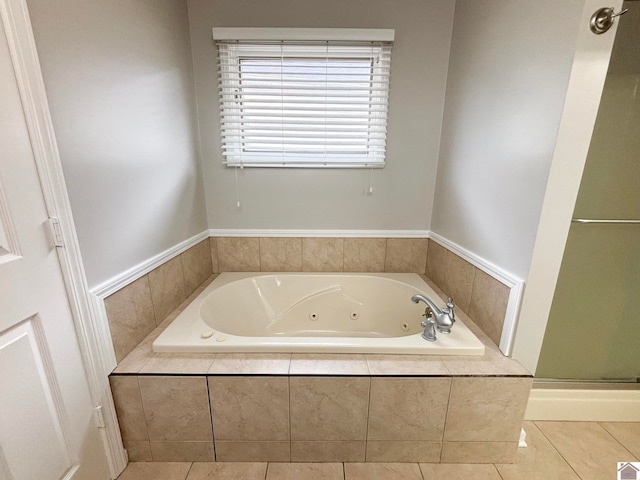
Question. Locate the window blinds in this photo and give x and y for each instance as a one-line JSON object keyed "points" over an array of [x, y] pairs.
{"points": [[304, 103]]}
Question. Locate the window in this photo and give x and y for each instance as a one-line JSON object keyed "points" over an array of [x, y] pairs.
{"points": [[304, 103]]}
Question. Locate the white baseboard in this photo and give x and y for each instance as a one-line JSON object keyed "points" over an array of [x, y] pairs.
{"points": [[583, 405], [256, 232], [125, 278]]}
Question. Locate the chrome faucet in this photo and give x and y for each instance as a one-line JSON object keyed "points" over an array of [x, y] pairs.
{"points": [[436, 319]]}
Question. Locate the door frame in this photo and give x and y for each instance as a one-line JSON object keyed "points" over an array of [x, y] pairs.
{"points": [[586, 83], [92, 331]]}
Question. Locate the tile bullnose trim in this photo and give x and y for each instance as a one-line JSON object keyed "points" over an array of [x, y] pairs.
{"points": [[123, 279], [264, 233]]}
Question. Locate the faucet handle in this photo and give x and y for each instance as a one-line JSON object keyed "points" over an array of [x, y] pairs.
{"points": [[449, 309]]}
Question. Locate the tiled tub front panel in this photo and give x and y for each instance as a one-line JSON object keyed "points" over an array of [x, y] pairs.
{"points": [[320, 419]]}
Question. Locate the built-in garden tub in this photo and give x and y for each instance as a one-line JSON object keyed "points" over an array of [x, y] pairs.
{"points": [[312, 312]]}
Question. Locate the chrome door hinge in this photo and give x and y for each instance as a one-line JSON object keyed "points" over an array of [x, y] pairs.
{"points": [[55, 232], [99, 416]]}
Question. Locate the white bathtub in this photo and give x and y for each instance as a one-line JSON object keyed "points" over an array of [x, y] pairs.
{"points": [[312, 312]]}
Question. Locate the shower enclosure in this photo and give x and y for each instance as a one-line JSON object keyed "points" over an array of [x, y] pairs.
{"points": [[593, 332]]}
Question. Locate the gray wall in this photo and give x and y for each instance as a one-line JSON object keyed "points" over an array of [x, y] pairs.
{"points": [[334, 199], [119, 78], [507, 82]]}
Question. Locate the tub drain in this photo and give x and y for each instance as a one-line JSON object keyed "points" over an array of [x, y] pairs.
{"points": [[313, 317]]}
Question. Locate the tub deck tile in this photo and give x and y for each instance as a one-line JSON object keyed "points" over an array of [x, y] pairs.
{"points": [[251, 364], [420, 365], [328, 364], [179, 363]]}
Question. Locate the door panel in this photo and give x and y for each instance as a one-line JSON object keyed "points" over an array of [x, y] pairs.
{"points": [[47, 421], [30, 402]]}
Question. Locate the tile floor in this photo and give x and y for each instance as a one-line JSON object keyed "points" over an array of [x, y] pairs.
{"points": [[556, 450]]}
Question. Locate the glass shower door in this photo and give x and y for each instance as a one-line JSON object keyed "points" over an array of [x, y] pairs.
{"points": [[593, 331]]}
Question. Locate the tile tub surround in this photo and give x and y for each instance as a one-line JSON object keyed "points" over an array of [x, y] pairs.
{"points": [[473, 291], [320, 418], [137, 309], [324, 408], [313, 254], [481, 296]]}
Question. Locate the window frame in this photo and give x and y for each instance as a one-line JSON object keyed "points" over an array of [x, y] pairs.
{"points": [[232, 101]]}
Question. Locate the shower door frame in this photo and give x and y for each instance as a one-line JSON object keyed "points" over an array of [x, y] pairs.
{"points": [[586, 83]]}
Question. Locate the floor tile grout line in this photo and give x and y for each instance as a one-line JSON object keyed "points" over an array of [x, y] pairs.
{"points": [[421, 471], [495, 467], [616, 439], [366, 430], [189, 471], [556, 449]]}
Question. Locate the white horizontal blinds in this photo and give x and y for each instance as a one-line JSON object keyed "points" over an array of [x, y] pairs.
{"points": [[304, 103]]}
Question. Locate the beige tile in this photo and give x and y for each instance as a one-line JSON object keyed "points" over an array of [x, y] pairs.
{"points": [[437, 263], [196, 266], [130, 314], [327, 451], [364, 254], [280, 254], [228, 471], [406, 255], [538, 461], [451, 273], [322, 254], [155, 471], [140, 355], [479, 452], [489, 305], [493, 362], [238, 254], [251, 364], [213, 245], [627, 433], [403, 451], [176, 408], [460, 471], [179, 363], [252, 451], [305, 471], [486, 409], [182, 451], [128, 402], [459, 280], [406, 365], [408, 408], [250, 408], [328, 364], [382, 471], [167, 288], [329, 408], [138, 451], [588, 448]]}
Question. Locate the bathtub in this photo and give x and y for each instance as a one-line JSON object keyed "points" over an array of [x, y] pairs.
{"points": [[312, 312]]}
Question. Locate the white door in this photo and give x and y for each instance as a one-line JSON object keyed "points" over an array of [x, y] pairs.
{"points": [[47, 425]]}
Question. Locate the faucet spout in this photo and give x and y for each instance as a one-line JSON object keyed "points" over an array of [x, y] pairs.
{"points": [[421, 298]]}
